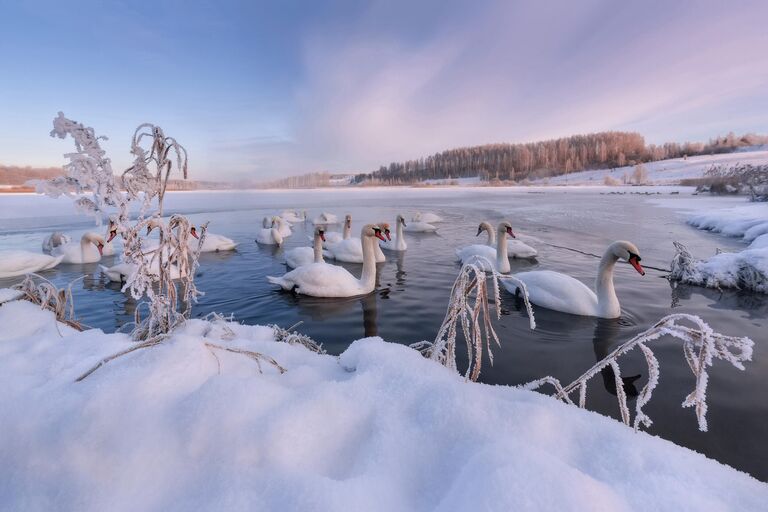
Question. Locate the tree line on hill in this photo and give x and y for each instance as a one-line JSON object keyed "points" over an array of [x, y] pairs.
{"points": [[534, 160]]}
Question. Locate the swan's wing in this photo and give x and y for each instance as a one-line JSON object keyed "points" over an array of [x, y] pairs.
{"points": [[15, 263], [320, 280], [299, 256], [518, 249], [349, 250], [476, 252], [560, 292]]}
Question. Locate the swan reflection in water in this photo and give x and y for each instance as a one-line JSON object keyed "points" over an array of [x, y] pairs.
{"points": [[607, 335]]}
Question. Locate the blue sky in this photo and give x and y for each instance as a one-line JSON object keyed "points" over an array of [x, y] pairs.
{"points": [[259, 90]]}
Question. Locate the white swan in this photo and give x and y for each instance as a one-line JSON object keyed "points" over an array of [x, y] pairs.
{"points": [[293, 216], [88, 250], [282, 226], [269, 234], [351, 250], [18, 263], [483, 255], [212, 242], [333, 237], [54, 240], [120, 272], [561, 292], [300, 256], [326, 218], [427, 217], [325, 280], [416, 226], [398, 244], [515, 248]]}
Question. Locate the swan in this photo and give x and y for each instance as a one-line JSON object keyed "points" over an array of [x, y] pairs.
{"points": [[293, 216], [398, 244], [18, 263], [269, 234], [212, 242], [283, 226], [484, 255], [515, 248], [561, 292], [120, 272], [350, 250], [326, 218], [325, 280], [427, 217], [334, 237], [88, 250], [300, 256], [416, 226], [54, 240]]}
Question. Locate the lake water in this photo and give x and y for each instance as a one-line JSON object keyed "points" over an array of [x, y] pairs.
{"points": [[413, 288]]}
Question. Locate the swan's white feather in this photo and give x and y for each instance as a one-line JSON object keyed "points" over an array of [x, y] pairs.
{"points": [[18, 263], [321, 280], [560, 292]]}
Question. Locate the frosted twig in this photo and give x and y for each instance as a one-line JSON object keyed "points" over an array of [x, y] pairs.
{"points": [[468, 308], [701, 345]]}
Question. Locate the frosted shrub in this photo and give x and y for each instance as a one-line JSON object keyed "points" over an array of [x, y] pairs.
{"points": [[468, 310], [701, 346], [745, 270]]}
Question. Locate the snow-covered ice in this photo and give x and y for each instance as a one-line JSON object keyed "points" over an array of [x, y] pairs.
{"points": [[174, 427]]}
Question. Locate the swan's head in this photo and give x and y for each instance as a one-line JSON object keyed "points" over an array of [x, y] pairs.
{"points": [[97, 240], [628, 252], [348, 220], [193, 232], [111, 230], [385, 227], [371, 230], [505, 228], [321, 233], [152, 224], [484, 226], [401, 220]]}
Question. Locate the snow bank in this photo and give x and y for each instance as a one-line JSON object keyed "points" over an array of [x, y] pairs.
{"points": [[174, 427], [663, 172], [747, 269]]}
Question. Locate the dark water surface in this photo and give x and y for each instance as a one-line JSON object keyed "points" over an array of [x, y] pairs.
{"points": [[413, 288]]}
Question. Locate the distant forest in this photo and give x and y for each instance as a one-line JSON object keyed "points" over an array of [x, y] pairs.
{"points": [[534, 160]]}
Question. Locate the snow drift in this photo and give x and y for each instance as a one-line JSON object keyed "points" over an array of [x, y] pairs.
{"points": [[179, 427]]}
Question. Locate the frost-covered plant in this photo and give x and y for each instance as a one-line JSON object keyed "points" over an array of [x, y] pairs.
{"points": [[701, 346], [291, 337], [46, 295], [468, 311], [89, 171]]}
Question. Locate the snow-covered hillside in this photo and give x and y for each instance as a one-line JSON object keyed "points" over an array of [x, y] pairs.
{"points": [[188, 425], [663, 172]]}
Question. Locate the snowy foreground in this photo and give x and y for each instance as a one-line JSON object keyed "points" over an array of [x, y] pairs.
{"points": [[175, 427], [747, 269]]}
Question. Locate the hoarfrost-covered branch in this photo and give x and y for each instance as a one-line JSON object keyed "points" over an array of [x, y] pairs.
{"points": [[468, 310], [745, 270], [701, 346]]}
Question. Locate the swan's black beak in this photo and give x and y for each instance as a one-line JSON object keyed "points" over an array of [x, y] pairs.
{"points": [[112, 234], [404, 224], [510, 233], [634, 260], [379, 235], [387, 233], [149, 230], [479, 230]]}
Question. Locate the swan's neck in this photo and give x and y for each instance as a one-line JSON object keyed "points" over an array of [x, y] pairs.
{"points": [[607, 302], [347, 230], [400, 239], [318, 249], [368, 277], [491, 237], [502, 261]]}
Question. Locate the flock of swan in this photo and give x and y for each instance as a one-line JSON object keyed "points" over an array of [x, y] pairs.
{"points": [[310, 274]]}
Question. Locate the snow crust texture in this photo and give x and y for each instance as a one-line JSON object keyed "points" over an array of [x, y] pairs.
{"points": [[379, 428]]}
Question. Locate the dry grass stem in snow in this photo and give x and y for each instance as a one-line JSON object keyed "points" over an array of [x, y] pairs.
{"points": [[468, 310], [46, 295], [701, 346]]}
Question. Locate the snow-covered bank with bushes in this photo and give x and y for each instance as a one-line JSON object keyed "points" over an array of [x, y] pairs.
{"points": [[746, 269], [187, 426]]}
